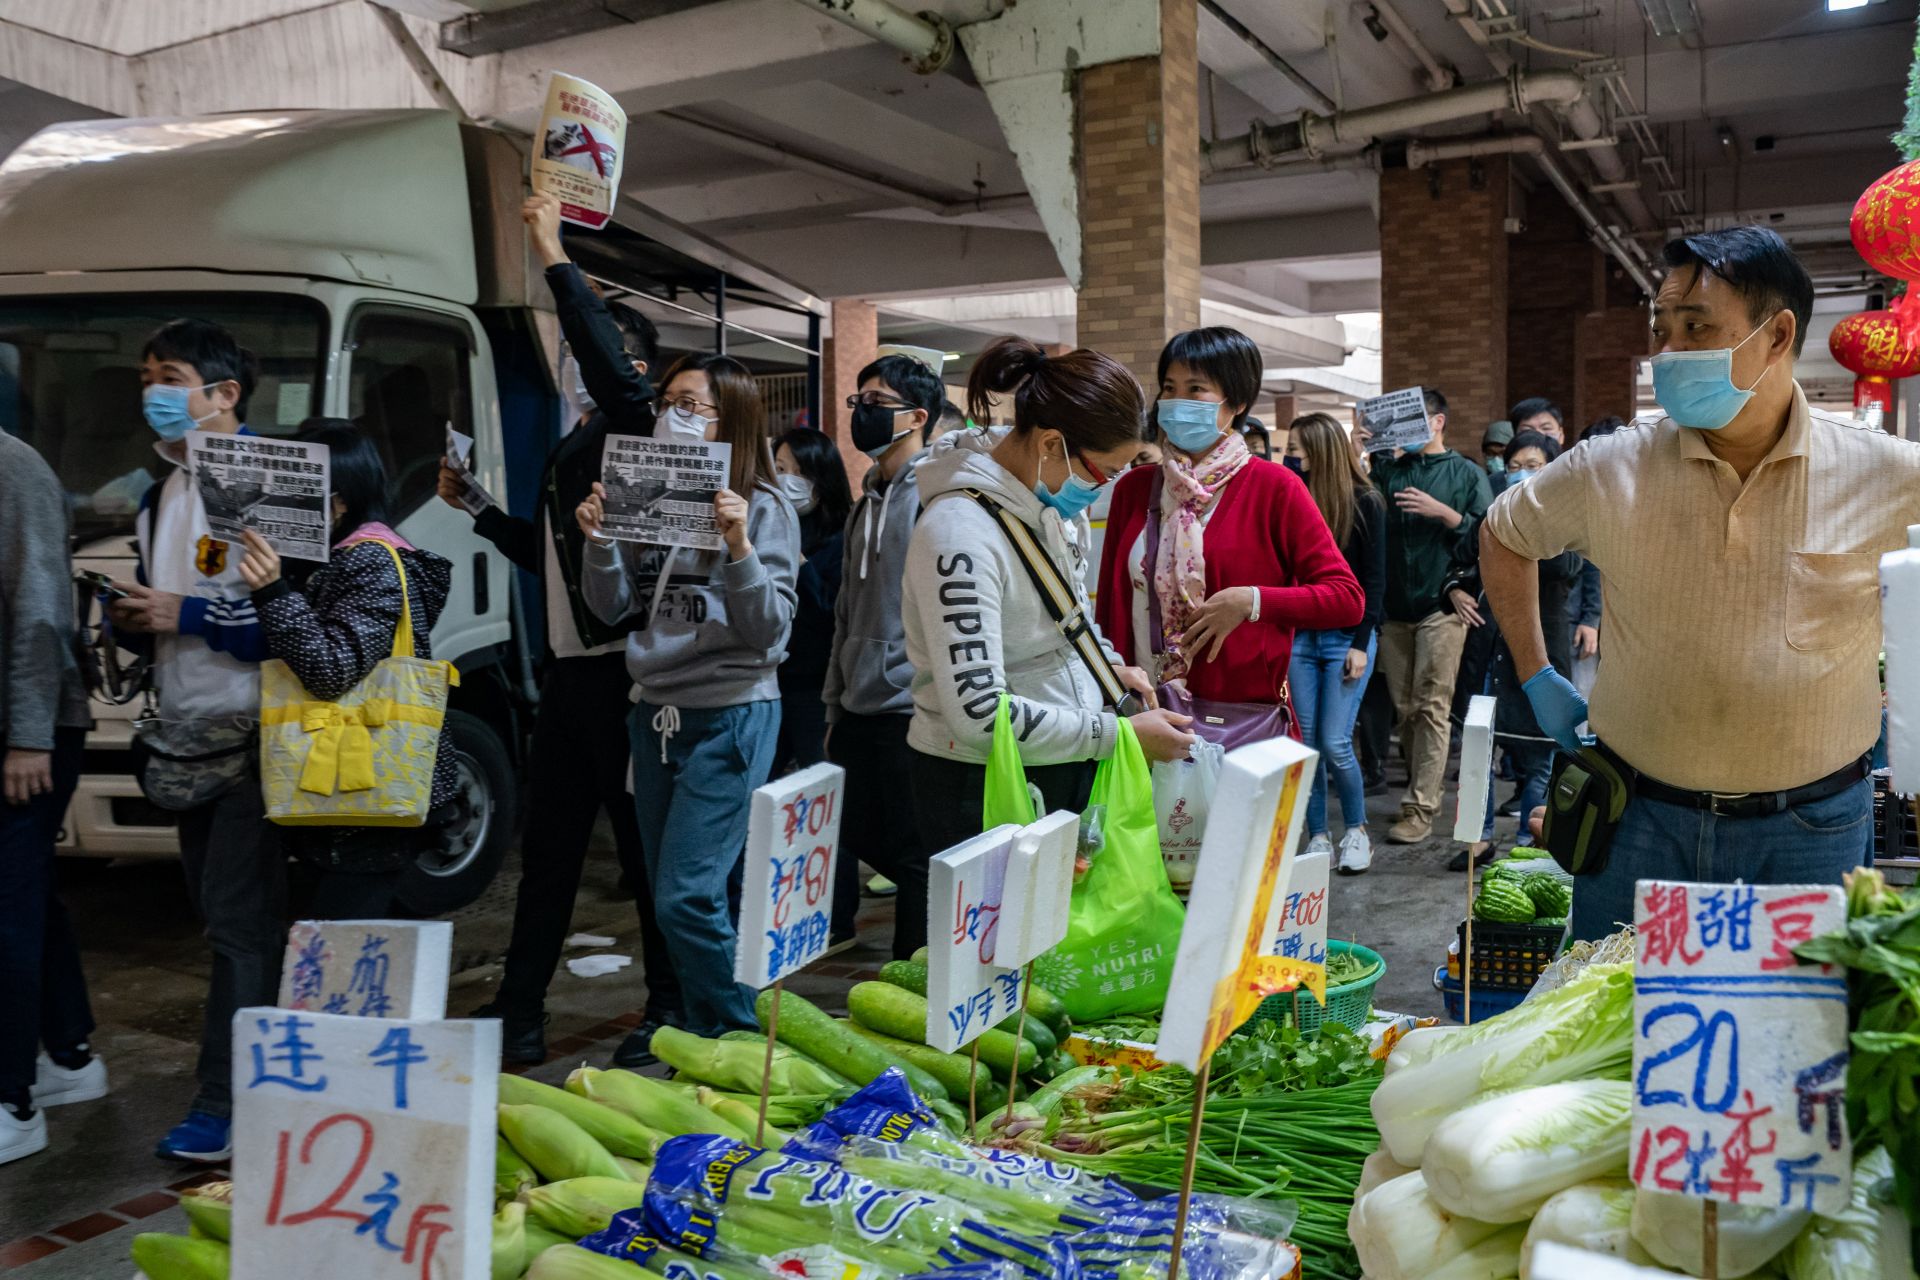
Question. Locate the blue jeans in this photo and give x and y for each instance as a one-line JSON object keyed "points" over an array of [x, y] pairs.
{"points": [[1808, 844], [1325, 703], [692, 809], [1533, 766]]}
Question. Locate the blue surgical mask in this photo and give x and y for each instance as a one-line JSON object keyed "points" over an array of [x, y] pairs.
{"points": [[1496, 465], [1190, 426], [166, 410], [1518, 477], [1696, 387], [1071, 498]]}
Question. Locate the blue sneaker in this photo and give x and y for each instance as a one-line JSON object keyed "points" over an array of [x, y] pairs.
{"points": [[199, 1139]]}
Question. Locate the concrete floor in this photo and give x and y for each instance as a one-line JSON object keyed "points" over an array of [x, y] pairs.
{"points": [[73, 1210]]}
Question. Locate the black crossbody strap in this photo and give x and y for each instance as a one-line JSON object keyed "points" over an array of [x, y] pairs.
{"points": [[1057, 595]]}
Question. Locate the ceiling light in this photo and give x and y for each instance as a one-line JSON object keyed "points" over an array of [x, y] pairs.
{"points": [[1671, 17], [1841, 6]]}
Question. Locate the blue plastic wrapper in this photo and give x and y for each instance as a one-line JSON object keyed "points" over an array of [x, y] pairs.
{"points": [[886, 1109], [627, 1237]]}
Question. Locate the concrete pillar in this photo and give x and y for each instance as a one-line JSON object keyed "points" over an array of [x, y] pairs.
{"points": [[1443, 289], [854, 343], [1139, 136], [1282, 413]]}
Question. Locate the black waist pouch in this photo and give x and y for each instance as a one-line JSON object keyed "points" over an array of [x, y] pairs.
{"points": [[1586, 796]]}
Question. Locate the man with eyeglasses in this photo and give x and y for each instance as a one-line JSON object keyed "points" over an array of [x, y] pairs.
{"points": [[577, 763], [869, 679]]}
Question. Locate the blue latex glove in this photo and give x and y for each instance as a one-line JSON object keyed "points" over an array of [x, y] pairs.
{"points": [[1557, 705]]}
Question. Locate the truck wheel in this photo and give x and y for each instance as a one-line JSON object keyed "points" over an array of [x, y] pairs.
{"points": [[460, 866]]}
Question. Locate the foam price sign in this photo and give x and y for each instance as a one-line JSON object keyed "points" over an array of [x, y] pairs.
{"points": [[1900, 621], [1300, 948], [368, 968], [1037, 891], [786, 906], [967, 991], [1476, 769], [1739, 1050], [362, 1146], [1225, 968]]}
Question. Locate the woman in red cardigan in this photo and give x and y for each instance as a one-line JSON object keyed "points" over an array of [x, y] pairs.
{"points": [[1244, 555]]}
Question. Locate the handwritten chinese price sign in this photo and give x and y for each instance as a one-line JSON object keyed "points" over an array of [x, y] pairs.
{"points": [[1900, 622], [1300, 948], [786, 908], [1739, 1051], [1224, 968], [368, 968], [362, 1146], [967, 991]]}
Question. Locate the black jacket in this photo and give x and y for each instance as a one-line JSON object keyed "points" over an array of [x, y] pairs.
{"points": [[810, 646], [623, 401], [1513, 714]]}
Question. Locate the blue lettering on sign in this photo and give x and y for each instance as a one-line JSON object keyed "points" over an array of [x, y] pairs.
{"points": [[1725, 917], [336, 1003], [309, 969], [386, 1202], [292, 1051], [397, 1052], [369, 980], [1823, 1085], [1009, 990], [1801, 1174], [1703, 1038]]}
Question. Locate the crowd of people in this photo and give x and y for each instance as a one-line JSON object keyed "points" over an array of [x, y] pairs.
{"points": [[1235, 597]]}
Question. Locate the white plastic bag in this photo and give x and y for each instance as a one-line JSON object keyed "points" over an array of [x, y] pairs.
{"points": [[1182, 795]]}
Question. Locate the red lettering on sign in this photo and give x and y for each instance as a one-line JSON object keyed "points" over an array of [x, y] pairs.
{"points": [[327, 1208]]}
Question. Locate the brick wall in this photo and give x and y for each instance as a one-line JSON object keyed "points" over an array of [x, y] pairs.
{"points": [[1443, 289], [1573, 323], [1139, 146], [855, 341], [1609, 341]]}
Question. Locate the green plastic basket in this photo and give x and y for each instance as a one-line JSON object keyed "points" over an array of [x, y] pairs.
{"points": [[1348, 1005]]}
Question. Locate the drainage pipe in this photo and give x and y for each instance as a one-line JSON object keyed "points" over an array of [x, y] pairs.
{"points": [[926, 38]]}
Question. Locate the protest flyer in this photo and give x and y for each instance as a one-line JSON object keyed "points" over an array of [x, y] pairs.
{"points": [[662, 491], [582, 139], [459, 458], [1396, 420], [277, 488]]}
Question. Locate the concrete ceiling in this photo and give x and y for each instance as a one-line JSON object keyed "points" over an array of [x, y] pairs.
{"points": [[808, 147]]}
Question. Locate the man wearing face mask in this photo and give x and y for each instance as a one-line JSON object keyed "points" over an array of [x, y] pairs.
{"points": [[1738, 542], [208, 644], [868, 689], [577, 763]]}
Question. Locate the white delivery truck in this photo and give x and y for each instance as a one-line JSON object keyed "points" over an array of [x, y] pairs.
{"points": [[375, 263]]}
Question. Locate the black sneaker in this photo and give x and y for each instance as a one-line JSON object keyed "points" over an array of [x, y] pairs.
{"points": [[636, 1051], [1459, 859], [523, 1040]]}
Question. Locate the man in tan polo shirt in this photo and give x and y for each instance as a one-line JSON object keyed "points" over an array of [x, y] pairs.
{"points": [[1738, 542]]}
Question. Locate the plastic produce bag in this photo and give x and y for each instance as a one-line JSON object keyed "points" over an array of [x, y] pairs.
{"points": [[1008, 798], [1182, 794], [1124, 924]]}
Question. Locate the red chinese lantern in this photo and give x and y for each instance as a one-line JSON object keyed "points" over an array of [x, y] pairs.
{"points": [[1886, 223], [1870, 345]]}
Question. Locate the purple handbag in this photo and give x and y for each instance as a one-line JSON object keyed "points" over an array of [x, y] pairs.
{"points": [[1230, 724]]}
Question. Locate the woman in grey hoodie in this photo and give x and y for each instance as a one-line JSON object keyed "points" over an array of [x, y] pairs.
{"points": [[707, 662], [977, 626]]}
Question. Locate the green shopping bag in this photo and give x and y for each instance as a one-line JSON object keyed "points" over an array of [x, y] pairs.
{"points": [[1125, 921]]}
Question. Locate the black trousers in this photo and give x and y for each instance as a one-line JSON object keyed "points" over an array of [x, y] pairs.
{"points": [[43, 993], [881, 824], [950, 794], [577, 767]]}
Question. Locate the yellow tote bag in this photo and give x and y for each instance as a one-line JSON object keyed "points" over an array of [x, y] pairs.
{"points": [[366, 760]]}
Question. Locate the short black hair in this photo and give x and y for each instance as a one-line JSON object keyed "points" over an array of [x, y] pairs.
{"points": [[1534, 405], [1228, 357], [210, 351], [819, 460], [638, 336], [358, 475], [950, 419], [1533, 440], [912, 381], [1759, 266], [1602, 427], [1436, 401]]}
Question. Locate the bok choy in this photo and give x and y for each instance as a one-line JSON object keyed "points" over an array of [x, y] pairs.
{"points": [[1499, 1160]]}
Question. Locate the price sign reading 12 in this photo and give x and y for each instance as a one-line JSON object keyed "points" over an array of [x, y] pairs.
{"points": [[1739, 1050], [362, 1146], [786, 906]]}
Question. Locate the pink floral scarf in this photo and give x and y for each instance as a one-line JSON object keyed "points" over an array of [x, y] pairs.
{"points": [[1180, 576]]}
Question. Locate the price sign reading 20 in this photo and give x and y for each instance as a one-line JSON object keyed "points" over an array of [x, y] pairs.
{"points": [[1739, 1050]]}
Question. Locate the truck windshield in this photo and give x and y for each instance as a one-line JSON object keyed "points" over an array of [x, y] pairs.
{"points": [[70, 384]]}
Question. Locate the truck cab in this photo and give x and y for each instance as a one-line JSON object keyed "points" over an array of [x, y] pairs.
{"points": [[374, 263]]}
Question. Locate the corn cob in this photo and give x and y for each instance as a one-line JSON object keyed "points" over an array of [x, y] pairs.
{"points": [[554, 1145], [166, 1257], [210, 1208], [652, 1102], [581, 1206], [620, 1133], [509, 1256]]}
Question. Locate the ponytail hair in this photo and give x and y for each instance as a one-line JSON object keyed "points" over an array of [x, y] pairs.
{"points": [[1089, 398]]}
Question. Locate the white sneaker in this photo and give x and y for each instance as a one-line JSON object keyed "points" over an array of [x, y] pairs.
{"points": [[1322, 843], [21, 1138], [54, 1085], [1356, 851]]}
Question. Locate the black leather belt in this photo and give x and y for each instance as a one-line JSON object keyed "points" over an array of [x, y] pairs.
{"points": [[1742, 804]]}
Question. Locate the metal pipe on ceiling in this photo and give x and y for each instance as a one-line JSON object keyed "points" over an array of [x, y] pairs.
{"points": [[1274, 60], [1438, 77], [926, 38], [1421, 154], [1315, 134]]}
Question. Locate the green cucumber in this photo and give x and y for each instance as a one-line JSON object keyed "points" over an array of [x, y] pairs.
{"points": [[919, 957], [1042, 1004], [895, 1011], [804, 1026], [950, 1069]]}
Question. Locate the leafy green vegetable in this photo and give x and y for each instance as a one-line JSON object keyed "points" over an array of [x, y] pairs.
{"points": [[1345, 967]]}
